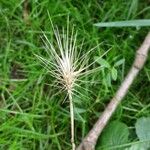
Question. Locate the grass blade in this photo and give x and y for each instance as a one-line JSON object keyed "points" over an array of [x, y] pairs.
{"points": [[128, 23]]}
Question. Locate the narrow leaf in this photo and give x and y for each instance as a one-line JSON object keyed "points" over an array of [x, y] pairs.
{"points": [[114, 73], [120, 62], [102, 62], [128, 23]]}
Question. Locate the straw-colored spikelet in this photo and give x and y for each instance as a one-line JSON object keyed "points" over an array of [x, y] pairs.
{"points": [[66, 64]]}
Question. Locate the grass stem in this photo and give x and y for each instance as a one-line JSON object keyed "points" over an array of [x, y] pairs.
{"points": [[72, 119]]}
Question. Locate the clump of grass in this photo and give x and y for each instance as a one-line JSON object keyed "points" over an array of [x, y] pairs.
{"points": [[18, 43]]}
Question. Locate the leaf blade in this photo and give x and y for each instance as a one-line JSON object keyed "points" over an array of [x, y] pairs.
{"points": [[115, 134], [128, 23]]}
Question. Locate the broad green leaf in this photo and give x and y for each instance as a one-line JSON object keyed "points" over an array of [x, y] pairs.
{"points": [[138, 146], [102, 62], [142, 127], [128, 23], [115, 134], [114, 73]]}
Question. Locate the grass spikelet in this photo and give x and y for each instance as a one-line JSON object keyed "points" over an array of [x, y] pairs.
{"points": [[66, 65]]}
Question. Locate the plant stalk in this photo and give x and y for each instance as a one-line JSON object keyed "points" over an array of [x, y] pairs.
{"points": [[72, 119]]}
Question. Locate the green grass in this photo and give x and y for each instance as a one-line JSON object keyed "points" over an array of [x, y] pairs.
{"points": [[33, 115]]}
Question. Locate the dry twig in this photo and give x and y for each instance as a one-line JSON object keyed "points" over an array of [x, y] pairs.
{"points": [[90, 140]]}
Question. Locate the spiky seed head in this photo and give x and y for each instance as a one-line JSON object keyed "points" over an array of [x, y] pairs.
{"points": [[66, 64], [67, 73]]}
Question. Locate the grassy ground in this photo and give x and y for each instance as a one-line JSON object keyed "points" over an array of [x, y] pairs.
{"points": [[32, 113]]}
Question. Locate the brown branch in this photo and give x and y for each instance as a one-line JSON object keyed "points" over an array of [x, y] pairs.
{"points": [[90, 140]]}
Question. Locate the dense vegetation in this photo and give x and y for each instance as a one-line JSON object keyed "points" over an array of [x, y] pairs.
{"points": [[33, 114]]}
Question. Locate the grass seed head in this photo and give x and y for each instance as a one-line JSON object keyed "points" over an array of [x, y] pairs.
{"points": [[65, 66]]}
